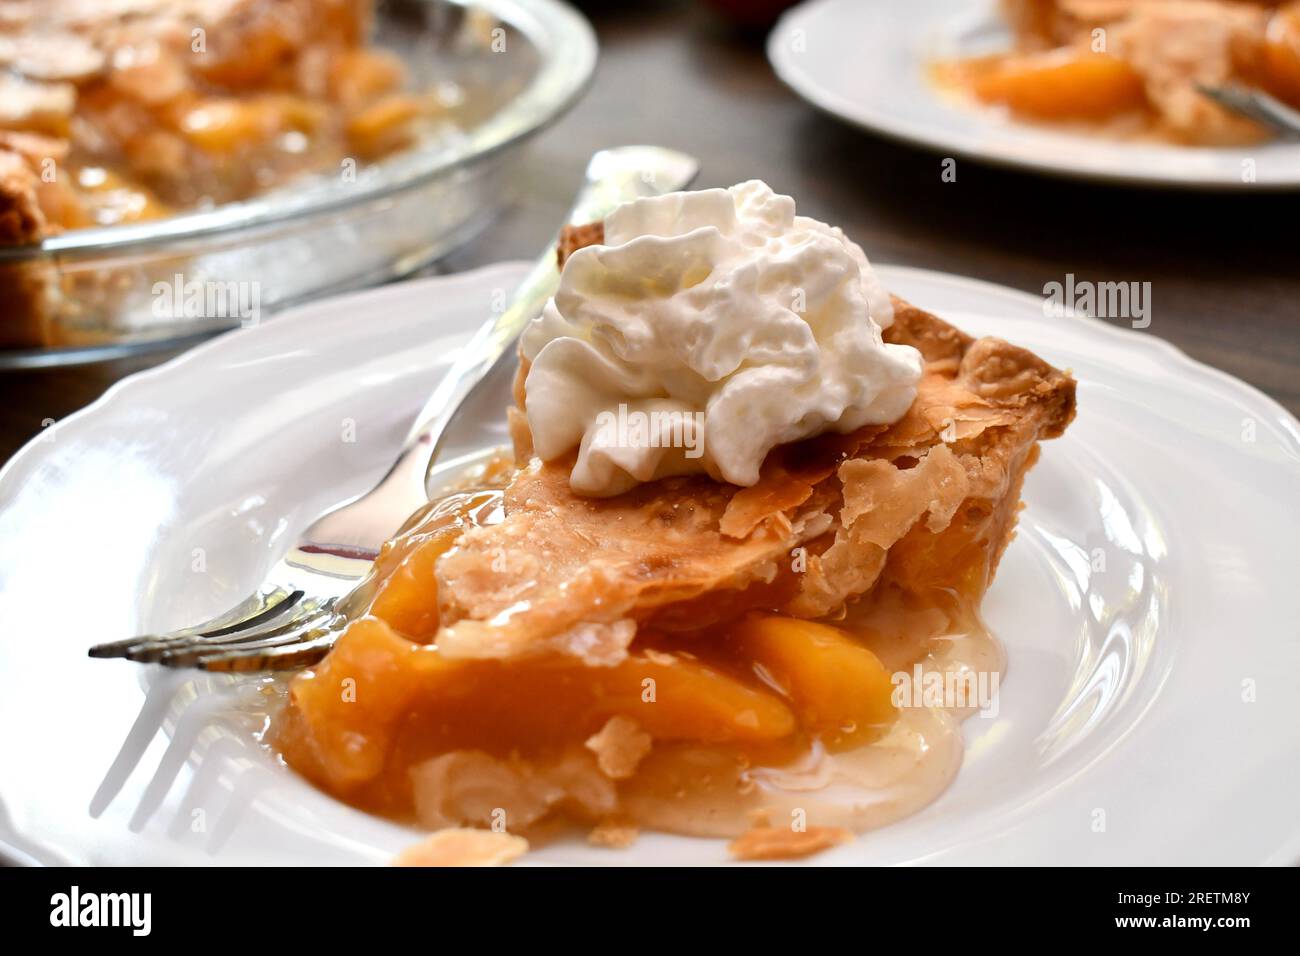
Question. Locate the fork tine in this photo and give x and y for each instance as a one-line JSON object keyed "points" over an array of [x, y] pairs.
{"points": [[1279, 114], [1256, 105], [172, 649], [259, 609], [277, 658], [270, 613], [196, 654]]}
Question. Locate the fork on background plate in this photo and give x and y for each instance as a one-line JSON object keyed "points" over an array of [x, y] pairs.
{"points": [[1256, 105], [295, 617]]}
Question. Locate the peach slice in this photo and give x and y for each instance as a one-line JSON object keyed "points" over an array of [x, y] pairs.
{"points": [[220, 125], [226, 125], [106, 197], [840, 689], [358, 76], [388, 124], [405, 584], [407, 599], [1061, 84], [1281, 59], [377, 691], [691, 701], [339, 722]]}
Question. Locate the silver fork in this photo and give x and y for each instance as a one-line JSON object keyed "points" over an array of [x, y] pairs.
{"points": [[1256, 105], [294, 618]]}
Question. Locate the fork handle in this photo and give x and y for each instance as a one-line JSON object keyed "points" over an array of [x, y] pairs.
{"points": [[613, 177], [343, 542]]}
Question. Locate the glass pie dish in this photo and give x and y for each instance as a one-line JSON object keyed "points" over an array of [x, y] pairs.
{"points": [[502, 69]]}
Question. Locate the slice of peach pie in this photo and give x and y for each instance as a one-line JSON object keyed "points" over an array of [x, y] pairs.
{"points": [[626, 636], [1135, 68], [119, 112]]}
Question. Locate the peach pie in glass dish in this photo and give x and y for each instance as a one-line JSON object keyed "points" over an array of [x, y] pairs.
{"points": [[1132, 69], [727, 583], [265, 150], [121, 111]]}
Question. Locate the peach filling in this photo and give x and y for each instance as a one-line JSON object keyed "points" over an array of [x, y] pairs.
{"points": [[169, 140], [386, 719], [1281, 59]]}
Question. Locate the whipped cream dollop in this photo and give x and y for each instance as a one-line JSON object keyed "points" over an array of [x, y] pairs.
{"points": [[708, 328]]}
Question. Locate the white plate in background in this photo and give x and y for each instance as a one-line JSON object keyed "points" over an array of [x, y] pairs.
{"points": [[867, 62]]}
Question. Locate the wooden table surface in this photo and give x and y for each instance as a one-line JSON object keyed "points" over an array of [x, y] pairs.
{"points": [[1224, 269]]}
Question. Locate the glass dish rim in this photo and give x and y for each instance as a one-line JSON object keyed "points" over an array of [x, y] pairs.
{"points": [[567, 49]]}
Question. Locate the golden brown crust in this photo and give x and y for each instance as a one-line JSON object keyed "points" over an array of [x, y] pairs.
{"points": [[1002, 374], [563, 571], [935, 339], [25, 288], [578, 570], [573, 238], [21, 219]]}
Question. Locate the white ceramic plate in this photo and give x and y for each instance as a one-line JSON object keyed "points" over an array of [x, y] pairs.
{"points": [[1148, 715], [866, 62]]}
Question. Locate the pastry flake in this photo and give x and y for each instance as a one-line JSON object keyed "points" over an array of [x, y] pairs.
{"points": [[464, 847], [784, 843]]}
